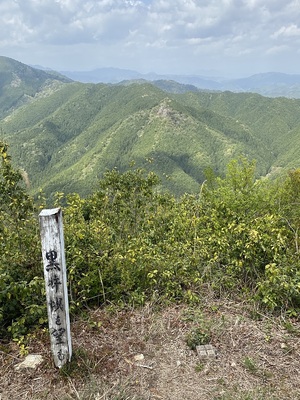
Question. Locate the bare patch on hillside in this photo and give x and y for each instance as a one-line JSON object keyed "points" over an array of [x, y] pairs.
{"points": [[166, 112]]}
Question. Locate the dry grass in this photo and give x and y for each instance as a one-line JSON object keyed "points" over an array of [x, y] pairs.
{"points": [[257, 359]]}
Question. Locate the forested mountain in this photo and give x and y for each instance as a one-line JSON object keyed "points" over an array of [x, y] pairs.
{"points": [[20, 84], [70, 133]]}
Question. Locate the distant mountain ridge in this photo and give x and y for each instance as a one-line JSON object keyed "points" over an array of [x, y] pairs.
{"points": [[272, 84]]}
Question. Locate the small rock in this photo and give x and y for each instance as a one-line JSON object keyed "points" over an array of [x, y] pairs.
{"points": [[31, 361], [139, 357], [178, 363]]}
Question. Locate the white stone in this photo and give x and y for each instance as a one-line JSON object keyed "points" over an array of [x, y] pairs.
{"points": [[31, 361], [139, 357]]}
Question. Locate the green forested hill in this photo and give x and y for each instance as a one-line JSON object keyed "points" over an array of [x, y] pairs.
{"points": [[66, 138], [20, 84], [275, 122]]}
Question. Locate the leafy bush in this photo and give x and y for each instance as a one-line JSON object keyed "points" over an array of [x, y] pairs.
{"points": [[21, 283], [128, 243]]}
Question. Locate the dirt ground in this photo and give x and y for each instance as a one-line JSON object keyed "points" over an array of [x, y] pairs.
{"points": [[146, 354]]}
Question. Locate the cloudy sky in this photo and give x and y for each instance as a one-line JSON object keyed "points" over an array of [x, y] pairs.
{"points": [[223, 37]]}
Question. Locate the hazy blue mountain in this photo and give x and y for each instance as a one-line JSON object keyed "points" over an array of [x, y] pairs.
{"points": [[103, 75], [117, 75], [272, 84]]}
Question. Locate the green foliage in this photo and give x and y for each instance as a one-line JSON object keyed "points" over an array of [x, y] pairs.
{"points": [[20, 272], [129, 243], [243, 231], [199, 335], [250, 365]]}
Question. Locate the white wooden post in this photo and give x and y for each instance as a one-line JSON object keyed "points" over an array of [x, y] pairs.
{"points": [[53, 252]]}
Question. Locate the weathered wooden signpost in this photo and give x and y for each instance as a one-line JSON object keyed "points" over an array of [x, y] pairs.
{"points": [[53, 251]]}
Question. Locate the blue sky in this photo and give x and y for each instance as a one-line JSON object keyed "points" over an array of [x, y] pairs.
{"points": [[232, 38]]}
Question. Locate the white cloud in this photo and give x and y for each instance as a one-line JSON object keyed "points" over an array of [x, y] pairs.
{"points": [[287, 31], [275, 50], [149, 32]]}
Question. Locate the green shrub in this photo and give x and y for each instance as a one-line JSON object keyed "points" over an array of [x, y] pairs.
{"points": [[21, 283], [128, 243]]}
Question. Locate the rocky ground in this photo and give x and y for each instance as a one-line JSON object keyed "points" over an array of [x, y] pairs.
{"points": [[149, 354]]}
